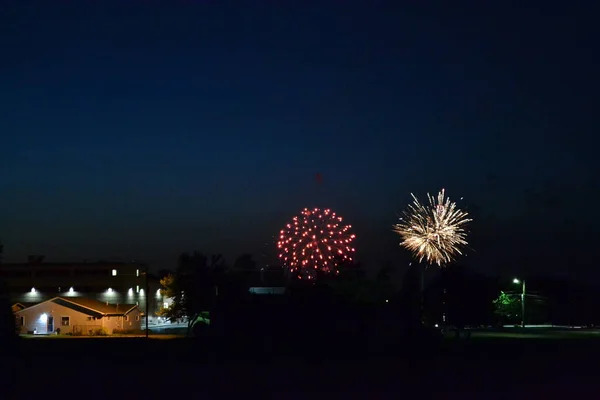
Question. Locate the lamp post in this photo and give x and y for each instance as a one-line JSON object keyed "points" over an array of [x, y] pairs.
{"points": [[147, 302], [147, 294], [517, 281]]}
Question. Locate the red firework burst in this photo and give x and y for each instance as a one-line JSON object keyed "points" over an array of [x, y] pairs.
{"points": [[315, 241]]}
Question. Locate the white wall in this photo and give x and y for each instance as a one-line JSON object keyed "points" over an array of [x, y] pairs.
{"points": [[33, 318], [133, 321]]}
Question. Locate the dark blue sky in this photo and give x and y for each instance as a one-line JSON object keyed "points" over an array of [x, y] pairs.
{"points": [[141, 131]]}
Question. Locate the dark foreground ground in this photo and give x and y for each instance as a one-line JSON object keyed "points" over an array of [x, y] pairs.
{"points": [[486, 366]]}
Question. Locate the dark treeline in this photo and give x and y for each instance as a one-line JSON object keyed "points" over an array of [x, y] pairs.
{"points": [[454, 296], [467, 298]]}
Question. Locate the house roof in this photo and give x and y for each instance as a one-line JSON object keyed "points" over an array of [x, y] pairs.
{"points": [[90, 307], [21, 305], [104, 308]]}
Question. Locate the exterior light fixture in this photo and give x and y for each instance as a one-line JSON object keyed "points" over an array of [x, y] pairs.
{"points": [[32, 290], [109, 290]]}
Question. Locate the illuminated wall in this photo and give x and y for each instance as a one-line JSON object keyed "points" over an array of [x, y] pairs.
{"points": [[114, 283], [47, 317]]}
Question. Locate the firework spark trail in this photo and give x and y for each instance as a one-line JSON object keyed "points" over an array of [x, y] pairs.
{"points": [[434, 232], [315, 241]]}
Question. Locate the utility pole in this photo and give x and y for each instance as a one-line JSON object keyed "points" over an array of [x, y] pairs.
{"points": [[422, 290], [147, 302], [523, 306], [523, 293]]}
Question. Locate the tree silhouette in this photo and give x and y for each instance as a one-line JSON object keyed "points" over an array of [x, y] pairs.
{"points": [[10, 352], [245, 262], [410, 295], [507, 307], [8, 327], [193, 287], [164, 272]]}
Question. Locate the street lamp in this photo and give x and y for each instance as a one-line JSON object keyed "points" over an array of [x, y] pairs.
{"points": [[147, 302], [516, 281]]}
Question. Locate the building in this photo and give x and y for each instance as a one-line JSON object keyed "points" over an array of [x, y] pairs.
{"points": [[108, 282], [20, 306], [77, 315], [268, 290]]}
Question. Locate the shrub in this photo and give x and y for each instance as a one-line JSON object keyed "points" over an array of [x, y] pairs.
{"points": [[128, 332], [100, 332]]}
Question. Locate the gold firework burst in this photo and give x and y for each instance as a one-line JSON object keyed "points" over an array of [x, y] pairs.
{"points": [[434, 232]]}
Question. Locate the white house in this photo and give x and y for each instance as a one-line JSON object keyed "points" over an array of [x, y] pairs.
{"points": [[77, 315]]}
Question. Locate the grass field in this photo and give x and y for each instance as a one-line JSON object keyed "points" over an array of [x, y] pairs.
{"points": [[65, 337], [514, 364], [532, 333]]}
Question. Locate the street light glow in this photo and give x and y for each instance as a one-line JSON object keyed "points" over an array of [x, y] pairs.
{"points": [[516, 281]]}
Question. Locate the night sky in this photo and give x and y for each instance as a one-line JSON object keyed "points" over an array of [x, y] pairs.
{"points": [[141, 131]]}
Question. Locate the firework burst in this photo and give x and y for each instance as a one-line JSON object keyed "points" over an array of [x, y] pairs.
{"points": [[434, 232], [316, 240]]}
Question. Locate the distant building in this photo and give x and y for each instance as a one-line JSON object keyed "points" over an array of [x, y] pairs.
{"points": [[78, 315], [109, 282], [268, 290]]}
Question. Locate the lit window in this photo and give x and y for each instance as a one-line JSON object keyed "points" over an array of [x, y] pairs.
{"points": [[137, 288], [137, 272], [165, 305], [65, 321], [114, 272]]}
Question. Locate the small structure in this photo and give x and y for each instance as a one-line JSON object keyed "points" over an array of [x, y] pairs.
{"points": [[267, 290], [80, 315]]}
